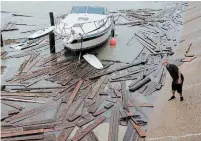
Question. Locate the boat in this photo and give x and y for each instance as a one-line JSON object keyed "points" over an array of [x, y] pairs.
{"points": [[84, 28]]}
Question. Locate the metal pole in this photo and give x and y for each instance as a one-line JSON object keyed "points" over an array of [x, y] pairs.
{"points": [[1, 41]]}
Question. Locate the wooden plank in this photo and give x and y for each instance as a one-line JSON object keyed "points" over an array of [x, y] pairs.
{"points": [[15, 111], [138, 128], [77, 103], [99, 112], [108, 106], [68, 124], [112, 93], [26, 138], [46, 121], [63, 136], [25, 94], [30, 132], [115, 70], [26, 114], [136, 81], [11, 130], [22, 100], [114, 124], [124, 96], [4, 116], [13, 105], [85, 121], [97, 87], [129, 132], [95, 106], [135, 136], [70, 101], [36, 127], [74, 106], [143, 88], [126, 74], [50, 137], [88, 129], [118, 94], [77, 113], [111, 100], [66, 92]]}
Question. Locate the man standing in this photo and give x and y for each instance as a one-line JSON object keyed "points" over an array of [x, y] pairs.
{"points": [[177, 77]]}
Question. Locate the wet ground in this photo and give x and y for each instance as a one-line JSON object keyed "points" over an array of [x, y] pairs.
{"points": [[177, 120]]}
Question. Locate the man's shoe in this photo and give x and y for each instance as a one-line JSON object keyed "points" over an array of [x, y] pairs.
{"points": [[181, 98], [171, 98]]}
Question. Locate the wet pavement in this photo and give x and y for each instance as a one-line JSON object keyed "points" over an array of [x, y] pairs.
{"points": [[177, 120]]}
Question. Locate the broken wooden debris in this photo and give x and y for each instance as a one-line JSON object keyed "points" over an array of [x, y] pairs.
{"points": [[65, 134], [31, 137], [85, 121], [117, 69], [95, 106], [188, 59], [12, 112], [13, 105], [46, 121], [129, 132], [40, 126], [140, 84], [114, 124], [124, 96], [189, 55], [22, 100], [21, 15], [111, 100], [88, 129], [138, 128], [21, 133], [24, 94]]}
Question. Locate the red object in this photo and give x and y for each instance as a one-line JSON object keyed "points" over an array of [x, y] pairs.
{"points": [[113, 42]]}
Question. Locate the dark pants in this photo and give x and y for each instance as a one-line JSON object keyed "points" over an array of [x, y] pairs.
{"points": [[178, 87]]}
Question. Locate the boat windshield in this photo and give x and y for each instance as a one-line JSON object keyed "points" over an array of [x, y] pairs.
{"points": [[89, 9], [79, 9]]}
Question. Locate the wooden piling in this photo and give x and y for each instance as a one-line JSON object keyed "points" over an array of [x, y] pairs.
{"points": [[51, 34], [52, 42], [51, 18], [1, 41]]}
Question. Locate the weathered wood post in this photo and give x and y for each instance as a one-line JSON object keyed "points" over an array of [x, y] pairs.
{"points": [[1, 41], [51, 34]]}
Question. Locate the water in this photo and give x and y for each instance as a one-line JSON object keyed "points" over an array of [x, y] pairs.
{"points": [[40, 11]]}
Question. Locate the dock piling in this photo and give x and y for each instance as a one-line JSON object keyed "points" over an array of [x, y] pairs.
{"points": [[51, 35], [1, 41]]}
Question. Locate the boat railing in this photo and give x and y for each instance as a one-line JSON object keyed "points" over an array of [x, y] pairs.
{"points": [[64, 30]]}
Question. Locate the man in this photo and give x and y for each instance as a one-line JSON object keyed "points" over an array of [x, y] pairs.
{"points": [[177, 81]]}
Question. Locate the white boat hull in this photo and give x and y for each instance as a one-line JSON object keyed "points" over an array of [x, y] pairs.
{"points": [[89, 43]]}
